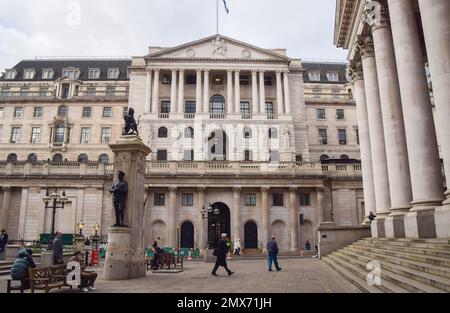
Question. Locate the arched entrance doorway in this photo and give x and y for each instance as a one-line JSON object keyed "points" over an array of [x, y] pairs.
{"points": [[218, 223], [187, 235], [250, 236], [217, 145]]}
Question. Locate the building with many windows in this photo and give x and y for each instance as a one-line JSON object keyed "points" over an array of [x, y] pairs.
{"points": [[237, 133]]}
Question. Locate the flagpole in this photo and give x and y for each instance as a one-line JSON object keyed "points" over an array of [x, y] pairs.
{"points": [[217, 19]]}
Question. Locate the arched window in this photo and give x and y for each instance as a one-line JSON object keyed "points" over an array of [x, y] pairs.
{"points": [[247, 132], [62, 111], [103, 158], [162, 132], [57, 158], [12, 157], [324, 157], [83, 157], [344, 157], [60, 131], [273, 133], [188, 132], [217, 105], [32, 157]]}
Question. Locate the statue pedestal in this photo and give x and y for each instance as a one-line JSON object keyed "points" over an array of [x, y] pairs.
{"points": [[79, 243], [125, 253]]}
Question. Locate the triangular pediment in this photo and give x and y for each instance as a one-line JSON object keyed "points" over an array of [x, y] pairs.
{"points": [[218, 47]]}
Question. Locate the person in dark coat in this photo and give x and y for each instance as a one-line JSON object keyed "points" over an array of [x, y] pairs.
{"points": [[3, 244], [57, 247], [272, 250], [221, 254], [371, 216], [19, 270]]}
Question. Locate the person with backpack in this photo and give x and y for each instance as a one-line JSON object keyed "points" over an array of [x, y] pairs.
{"points": [[19, 270]]}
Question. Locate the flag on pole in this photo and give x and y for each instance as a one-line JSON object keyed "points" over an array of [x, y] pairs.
{"points": [[226, 8]]}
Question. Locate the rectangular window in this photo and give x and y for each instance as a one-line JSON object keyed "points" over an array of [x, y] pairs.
{"points": [[165, 106], [43, 92], [107, 112], [187, 199], [244, 80], [28, 74], [321, 114], [18, 112], [87, 111], [47, 74], [5, 92], [110, 91], [316, 93], [15, 134], [245, 107], [38, 112], [161, 155], [91, 91], [333, 76], [336, 93], [106, 135], [188, 155], [191, 79], [10, 74], [278, 199], [160, 199], [250, 199], [85, 132], [217, 80], [342, 136], [166, 79], [305, 199], [190, 107], [314, 76], [340, 114], [269, 107], [113, 73], [248, 155], [274, 156], [35, 135], [94, 74], [323, 140], [267, 80], [24, 91]]}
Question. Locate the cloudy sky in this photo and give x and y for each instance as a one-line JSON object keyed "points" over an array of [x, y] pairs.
{"points": [[30, 28]]}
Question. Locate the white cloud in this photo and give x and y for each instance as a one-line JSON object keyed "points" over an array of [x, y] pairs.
{"points": [[126, 28]]}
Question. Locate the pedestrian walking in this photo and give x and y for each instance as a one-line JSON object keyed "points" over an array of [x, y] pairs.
{"points": [[3, 244], [221, 254], [272, 249], [58, 249], [237, 247]]}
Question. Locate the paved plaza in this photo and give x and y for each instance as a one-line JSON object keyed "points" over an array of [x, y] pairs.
{"points": [[299, 275]]}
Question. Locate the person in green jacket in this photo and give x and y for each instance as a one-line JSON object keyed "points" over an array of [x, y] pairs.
{"points": [[19, 270]]}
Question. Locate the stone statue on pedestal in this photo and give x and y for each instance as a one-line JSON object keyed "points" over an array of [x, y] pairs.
{"points": [[119, 190], [130, 123]]}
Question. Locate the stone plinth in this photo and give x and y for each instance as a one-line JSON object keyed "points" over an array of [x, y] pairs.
{"points": [[420, 223], [333, 238], [125, 253], [442, 220], [394, 226], [377, 228]]}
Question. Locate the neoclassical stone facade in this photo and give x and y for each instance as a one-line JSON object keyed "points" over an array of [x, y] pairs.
{"points": [[402, 173], [230, 125]]}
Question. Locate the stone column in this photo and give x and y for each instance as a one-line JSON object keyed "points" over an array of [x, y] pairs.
{"points": [[293, 205], [181, 92], [198, 93], [237, 92], [206, 92], [356, 73], [394, 129], [425, 168], [376, 131], [173, 93], [262, 93], [255, 104], [125, 255], [155, 96], [172, 221], [279, 93], [320, 205], [436, 27], [236, 213], [265, 217], [148, 88], [287, 98], [230, 106], [201, 222], [5, 208]]}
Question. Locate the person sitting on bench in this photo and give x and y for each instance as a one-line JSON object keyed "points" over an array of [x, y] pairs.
{"points": [[19, 270], [87, 277]]}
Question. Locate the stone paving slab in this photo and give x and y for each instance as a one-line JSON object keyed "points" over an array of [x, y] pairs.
{"points": [[298, 276]]}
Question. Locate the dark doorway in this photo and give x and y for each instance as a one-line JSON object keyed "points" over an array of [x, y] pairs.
{"points": [[250, 236], [187, 235], [218, 224]]}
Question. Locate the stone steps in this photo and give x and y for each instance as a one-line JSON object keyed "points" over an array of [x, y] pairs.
{"points": [[407, 265], [5, 267], [389, 274]]}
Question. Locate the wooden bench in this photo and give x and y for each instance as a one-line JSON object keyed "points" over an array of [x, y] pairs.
{"points": [[43, 278]]}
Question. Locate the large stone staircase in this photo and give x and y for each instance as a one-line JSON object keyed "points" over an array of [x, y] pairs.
{"points": [[407, 265]]}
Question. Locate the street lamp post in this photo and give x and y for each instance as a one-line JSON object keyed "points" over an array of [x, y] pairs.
{"points": [[55, 201], [80, 227], [205, 215]]}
